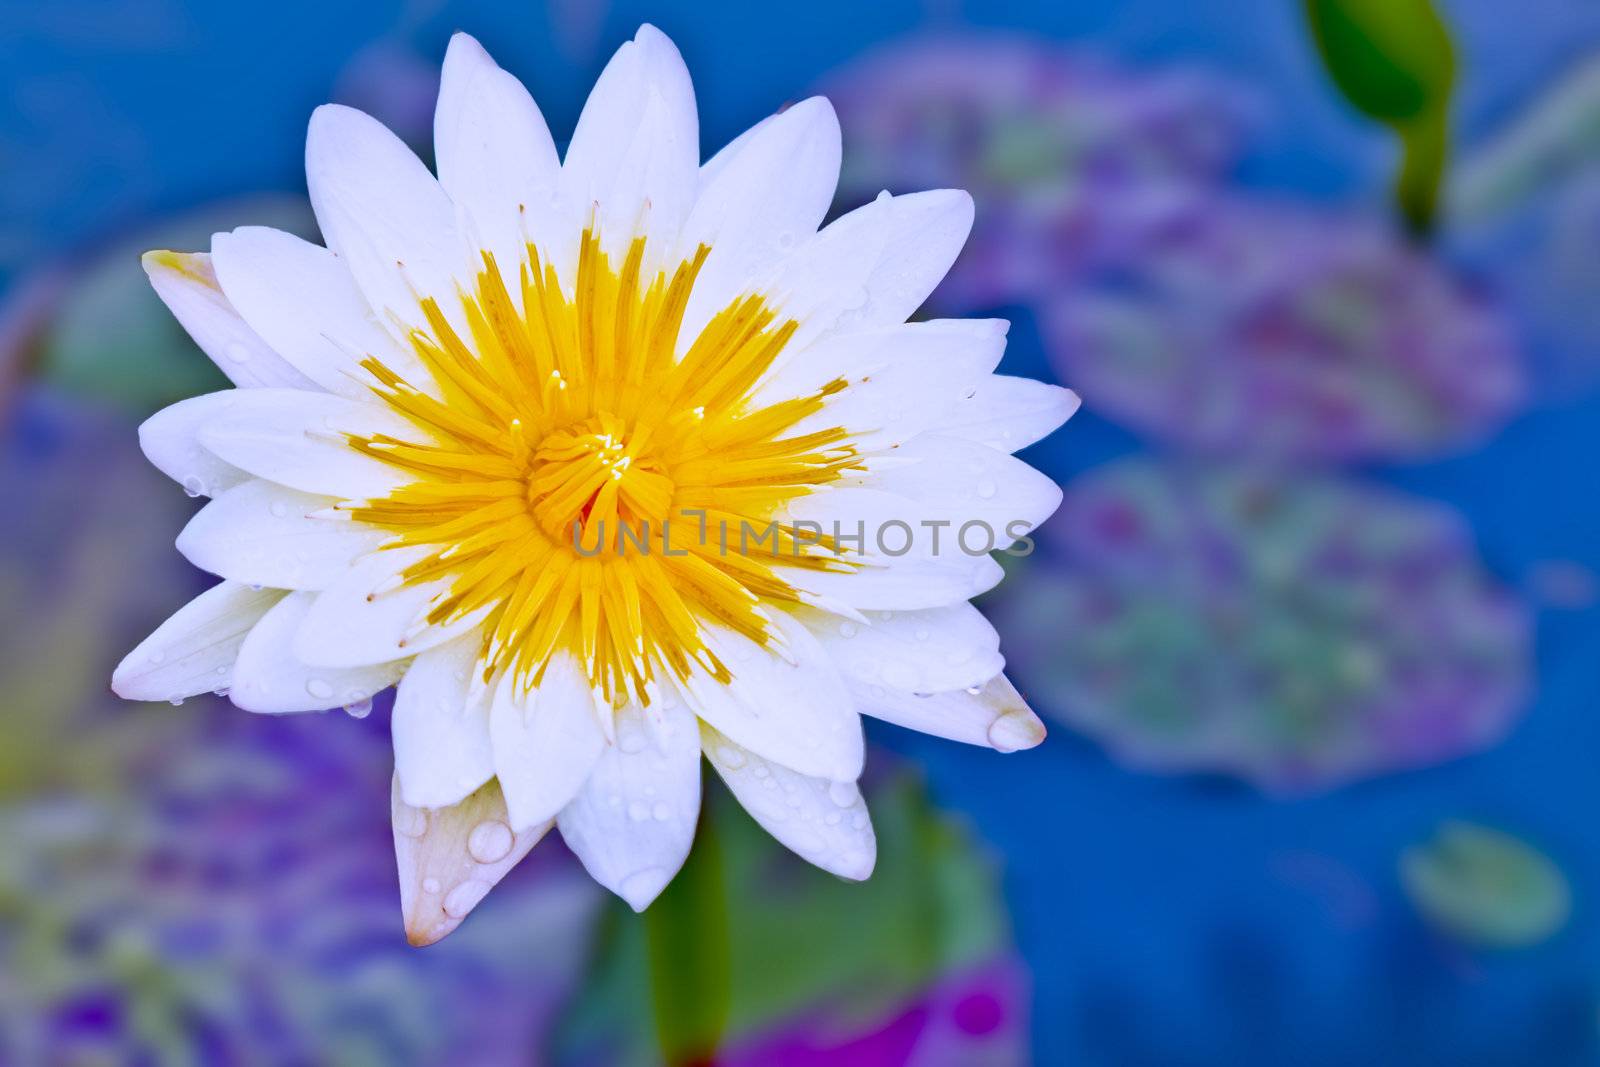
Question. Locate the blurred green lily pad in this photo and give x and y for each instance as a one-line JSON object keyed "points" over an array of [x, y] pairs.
{"points": [[1486, 887]]}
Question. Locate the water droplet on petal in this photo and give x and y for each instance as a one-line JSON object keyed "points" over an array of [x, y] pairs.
{"points": [[278, 508], [318, 689], [987, 489], [730, 757], [359, 708], [661, 812], [844, 794], [638, 811], [464, 897], [848, 629], [411, 822], [193, 486], [431, 885]]}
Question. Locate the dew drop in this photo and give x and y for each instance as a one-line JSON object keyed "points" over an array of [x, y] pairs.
{"points": [[844, 794], [411, 822], [661, 812], [319, 689], [431, 885], [731, 758], [848, 629], [158, 656], [638, 811], [464, 897], [987, 489], [278, 508], [359, 708], [175, 701], [490, 842], [193, 486]]}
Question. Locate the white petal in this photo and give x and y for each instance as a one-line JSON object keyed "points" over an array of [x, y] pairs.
{"points": [[545, 741], [765, 201], [170, 439], [260, 533], [302, 300], [449, 859], [368, 616], [796, 713], [872, 267], [635, 154], [906, 583], [993, 714], [188, 286], [495, 156], [901, 380], [297, 439], [823, 822], [1008, 414], [913, 651], [269, 677], [441, 725], [194, 651], [385, 216], [633, 821], [966, 482]]}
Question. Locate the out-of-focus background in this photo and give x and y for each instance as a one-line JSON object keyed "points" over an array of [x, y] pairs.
{"points": [[1317, 629]]}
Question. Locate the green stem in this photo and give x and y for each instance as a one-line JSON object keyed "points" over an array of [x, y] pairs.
{"points": [[1426, 143], [686, 930]]}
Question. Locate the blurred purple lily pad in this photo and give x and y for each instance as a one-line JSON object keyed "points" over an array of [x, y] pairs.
{"points": [[1264, 329], [1074, 161], [1295, 631]]}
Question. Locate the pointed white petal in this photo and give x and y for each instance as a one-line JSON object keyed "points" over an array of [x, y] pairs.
{"points": [[633, 821], [385, 215], [188, 286], [495, 156], [765, 201], [194, 651], [270, 678], [297, 439], [905, 583], [965, 482], [926, 651], [796, 713], [170, 439], [450, 858], [635, 154], [901, 380], [367, 616], [441, 725], [302, 300], [993, 714], [545, 741], [873, 266], [821, 821], [260, 533], [1008, 414]]}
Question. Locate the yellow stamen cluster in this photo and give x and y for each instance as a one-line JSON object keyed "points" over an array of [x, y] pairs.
{"points": [[569, 464]]}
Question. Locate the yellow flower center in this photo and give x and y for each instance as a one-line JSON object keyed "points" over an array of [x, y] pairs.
{"points": [[585, 487]]}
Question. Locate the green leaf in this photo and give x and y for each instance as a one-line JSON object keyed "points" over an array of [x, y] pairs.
{"points": [[1394, 62]]}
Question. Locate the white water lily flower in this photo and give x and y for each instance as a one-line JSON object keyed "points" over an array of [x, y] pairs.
{"points": [[450, 420]]}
